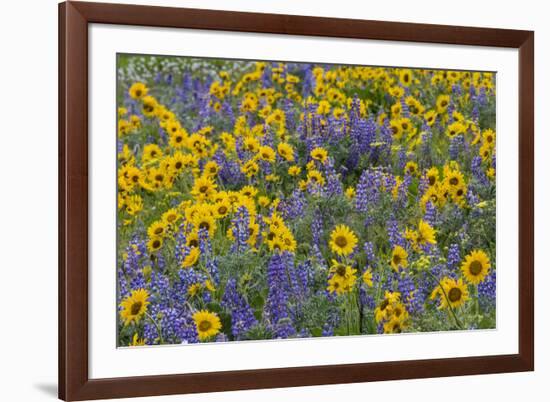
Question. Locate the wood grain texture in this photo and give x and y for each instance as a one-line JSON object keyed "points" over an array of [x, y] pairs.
{"points": [[74, 382]]}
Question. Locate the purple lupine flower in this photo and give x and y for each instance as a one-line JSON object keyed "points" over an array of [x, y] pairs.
{"points": [[405, 108], [369, 253], [408, 289], [293, 207], [317, 227], [334, 185], [482, 97], [242, 315], [456, 146], [394, 235], [453, 257], [240, 230], [361, 202], [276, 307], [402, 159], [403, 193], [487, 291], [332, 321], [430, 215]]}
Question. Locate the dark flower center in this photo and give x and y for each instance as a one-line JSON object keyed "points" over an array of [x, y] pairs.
{"points": [[396, 259], [341, 270], [136, 307], [341, 241], [455, 294], [204, 326], [475, 268], [453, 181]]}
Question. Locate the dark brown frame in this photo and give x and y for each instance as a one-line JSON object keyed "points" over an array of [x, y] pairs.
{"points": [[74, 17]]}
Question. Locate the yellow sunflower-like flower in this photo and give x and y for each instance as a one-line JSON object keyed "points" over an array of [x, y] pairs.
{"points": [[489, 137], [367, 278], [251, 144], [294, 170], [394, 326], [426, 234], [151, 152], [411, 168], [203, 188], [432, 175], [335, 285], [286, 151], [222, 208], [476, 267], [430, 117], [342, 240], [171, 216], [134, 306], [156, 230], [194, 289], [149, 106], [211, 169], [134, 204], [205, 221], [454, 178], [454, 293], [263, 201], [405, 77], [315, 177], [455, 129], [442, 103], [208, 324], [250, 168], [399, 258], [266, 153], [383, 310], [154, 244], [138, 90], [191, 258], [319, 154], [136, 341]]}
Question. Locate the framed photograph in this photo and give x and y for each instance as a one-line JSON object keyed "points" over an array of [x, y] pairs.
{"points": [[259, 200]]}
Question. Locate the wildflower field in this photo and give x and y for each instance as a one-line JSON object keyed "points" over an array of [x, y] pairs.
{"points": [[269, 200]]}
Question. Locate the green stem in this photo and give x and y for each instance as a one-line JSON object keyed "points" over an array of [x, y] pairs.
{"points": [[157, 326]]}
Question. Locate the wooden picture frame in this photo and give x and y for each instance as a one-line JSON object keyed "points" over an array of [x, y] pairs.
{"points": [[74, 381]]}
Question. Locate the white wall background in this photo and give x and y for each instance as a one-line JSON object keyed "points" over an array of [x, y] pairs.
{"points": [[28, 197]]}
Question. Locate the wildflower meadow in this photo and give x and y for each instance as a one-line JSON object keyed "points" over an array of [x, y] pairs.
{"points": [[271, 200]]}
